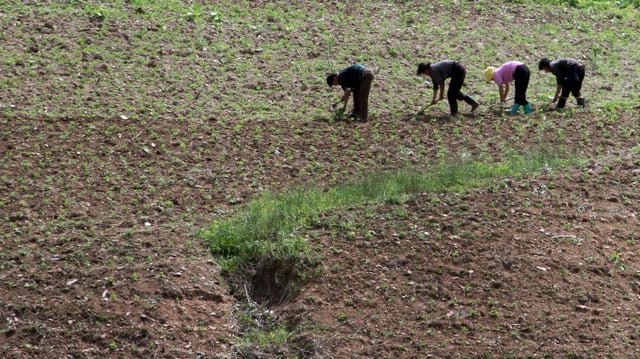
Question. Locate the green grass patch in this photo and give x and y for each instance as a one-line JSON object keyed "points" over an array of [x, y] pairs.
{"points": [[601, 4], [269, 229]]}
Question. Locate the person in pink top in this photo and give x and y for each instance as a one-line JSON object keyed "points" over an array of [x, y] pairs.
{"points": [[509, 72]]}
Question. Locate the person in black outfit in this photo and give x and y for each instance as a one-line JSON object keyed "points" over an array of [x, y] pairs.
{"points": [[354, 79], [439, 72], [569, 75]]}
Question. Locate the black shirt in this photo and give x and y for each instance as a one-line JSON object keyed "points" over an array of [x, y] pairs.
{"points": [[351, 76], [565, 70]]}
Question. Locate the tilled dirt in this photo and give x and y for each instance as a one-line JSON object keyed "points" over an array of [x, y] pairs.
{"points": [[111, 263], [536, 268], [100, 255]]}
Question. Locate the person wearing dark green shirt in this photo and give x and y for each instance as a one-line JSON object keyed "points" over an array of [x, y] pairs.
{"points": [[354, 79]]}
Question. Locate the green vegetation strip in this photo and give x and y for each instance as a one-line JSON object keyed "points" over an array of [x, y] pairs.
{"points": [[269, 226], [603, 4]]}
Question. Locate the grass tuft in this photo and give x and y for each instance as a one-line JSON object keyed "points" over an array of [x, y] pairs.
{"points": [[266, 232]]}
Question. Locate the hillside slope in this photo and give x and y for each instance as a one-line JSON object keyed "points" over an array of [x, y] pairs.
{"points": [[127, 127]]}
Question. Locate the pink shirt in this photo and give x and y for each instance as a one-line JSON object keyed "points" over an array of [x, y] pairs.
{"points": [[504, 73]]}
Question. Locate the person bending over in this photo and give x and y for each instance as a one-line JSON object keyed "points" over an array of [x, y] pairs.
{"points": [[439, 72], [569, 75], [354, 79], [512, 71]]}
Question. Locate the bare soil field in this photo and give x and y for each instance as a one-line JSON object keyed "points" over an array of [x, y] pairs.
{"points": [[100, 255]]}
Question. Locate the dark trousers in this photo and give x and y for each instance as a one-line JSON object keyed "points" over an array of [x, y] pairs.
{"points": [[572, 84], [458, 73], [521, 77], [361, 95]]}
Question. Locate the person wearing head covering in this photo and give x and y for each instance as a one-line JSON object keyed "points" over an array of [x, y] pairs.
{"points": [[439, 72], [354, 79], [511, 71], [569, 75]]}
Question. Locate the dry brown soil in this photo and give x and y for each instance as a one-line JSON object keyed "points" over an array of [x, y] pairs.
{"points": [[100, 256]]}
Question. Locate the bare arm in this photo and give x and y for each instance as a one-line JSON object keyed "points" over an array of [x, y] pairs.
{"points": [[437, 98], [345, 98], [503, 89], [558, 89]]}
